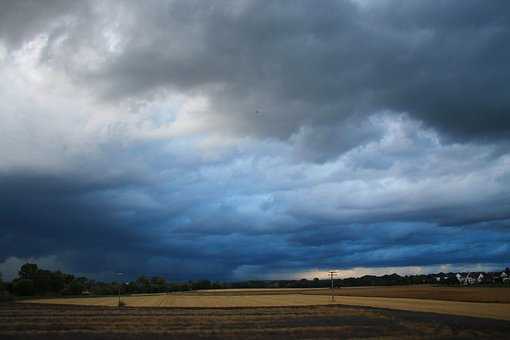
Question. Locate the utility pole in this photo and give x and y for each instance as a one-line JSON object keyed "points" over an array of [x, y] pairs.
{"points": [[331, 274], [120, 284]]}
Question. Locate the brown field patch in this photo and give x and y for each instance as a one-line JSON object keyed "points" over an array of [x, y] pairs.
{"points": [[40, 321], [465, 294]]}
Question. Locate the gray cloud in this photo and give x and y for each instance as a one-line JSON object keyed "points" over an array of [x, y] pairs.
{"points": [[22, 20], [306, 64], [261, 137]]}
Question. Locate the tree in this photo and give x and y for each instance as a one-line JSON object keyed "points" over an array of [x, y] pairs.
{"points": [[158, 281], [76, 287], [42, 281], [28, 271], [143, 284], [158, 284], [201, 284], [4, 292], [23, 287], [57, 281]]}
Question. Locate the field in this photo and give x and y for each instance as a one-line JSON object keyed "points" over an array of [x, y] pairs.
{"points": [[40, 321], [408, 312], [429, 292], [475, 302], [465, 294]]}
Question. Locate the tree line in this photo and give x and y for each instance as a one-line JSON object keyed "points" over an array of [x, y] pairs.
{"points": [[32, 280], [35, 281]]}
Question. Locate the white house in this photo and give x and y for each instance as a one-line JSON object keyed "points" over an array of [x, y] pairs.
{"points": [[468, 280]]}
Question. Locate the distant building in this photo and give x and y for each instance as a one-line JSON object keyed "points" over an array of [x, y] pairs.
{"points": [[472, 278], [466, 280]]}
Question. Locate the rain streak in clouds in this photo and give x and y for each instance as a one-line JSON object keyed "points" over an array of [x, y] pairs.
{"points": [[254, 139]]}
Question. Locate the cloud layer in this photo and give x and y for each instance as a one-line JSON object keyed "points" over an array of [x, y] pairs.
{"points": [[264, 138]]}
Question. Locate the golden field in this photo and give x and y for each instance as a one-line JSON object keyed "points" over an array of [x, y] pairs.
{"points": [[475, 302]]}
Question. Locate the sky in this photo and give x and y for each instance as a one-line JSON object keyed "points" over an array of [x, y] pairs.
{"points": [[235, 140]]}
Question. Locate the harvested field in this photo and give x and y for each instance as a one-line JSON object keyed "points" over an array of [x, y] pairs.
{"points": [[39, 321], [263, 298], [199, 300], [466, 294]]}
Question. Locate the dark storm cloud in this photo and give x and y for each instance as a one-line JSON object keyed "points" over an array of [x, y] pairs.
{"points": [[41, 213], [96, 226], [88, 232], [64, 217], [93, 232], [337, 134]]}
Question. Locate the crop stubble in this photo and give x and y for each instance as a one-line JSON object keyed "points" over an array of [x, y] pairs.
{"points": [[451, 300]]}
